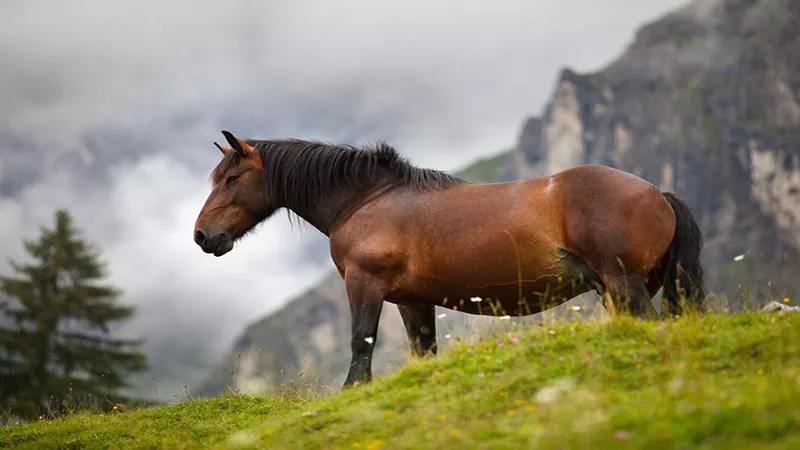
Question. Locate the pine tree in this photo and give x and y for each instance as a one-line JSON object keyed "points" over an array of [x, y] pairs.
{"points": [[55, 317]]}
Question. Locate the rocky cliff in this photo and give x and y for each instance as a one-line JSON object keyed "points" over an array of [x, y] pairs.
{"points": [[705, 102]]}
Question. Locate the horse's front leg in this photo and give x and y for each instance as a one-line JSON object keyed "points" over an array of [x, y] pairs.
{"points": [[365, 293]]}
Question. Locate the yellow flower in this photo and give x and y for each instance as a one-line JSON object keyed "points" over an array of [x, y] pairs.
{"points": [[442, 418], [638, 366], [761, 371], [502, 393], [454, 432], [268, 431], [511, 412], [518, 402], [375, 444], [356, 444], [530, 407], [786, 300], [388, 414]]}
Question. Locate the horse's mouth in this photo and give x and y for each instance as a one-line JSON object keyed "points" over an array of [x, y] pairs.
{"points": [[225, 246], [218, 246]]}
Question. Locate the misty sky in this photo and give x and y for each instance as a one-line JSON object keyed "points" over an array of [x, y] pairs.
{"points": [[137, 91]]}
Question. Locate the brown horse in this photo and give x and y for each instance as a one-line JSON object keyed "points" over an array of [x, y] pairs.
{"points": [[421, 238]]}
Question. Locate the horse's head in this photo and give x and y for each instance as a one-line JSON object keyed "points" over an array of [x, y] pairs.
{"points": [[238, 200]]}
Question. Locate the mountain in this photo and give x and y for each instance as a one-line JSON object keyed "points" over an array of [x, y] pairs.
{"points": [[705, 102]]}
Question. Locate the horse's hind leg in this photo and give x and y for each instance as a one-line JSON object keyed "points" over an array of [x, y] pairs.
{"points": [[420, 323], [628, 294]]}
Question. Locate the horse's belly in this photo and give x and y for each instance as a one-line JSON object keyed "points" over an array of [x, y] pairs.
{"points": [[503, 289]]}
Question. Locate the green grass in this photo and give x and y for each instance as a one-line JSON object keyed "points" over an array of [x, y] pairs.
{"points": [[484, 170], [720, 382]]}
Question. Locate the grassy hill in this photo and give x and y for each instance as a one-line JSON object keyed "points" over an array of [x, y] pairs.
{"points": [[484, 170], [718, 382]]}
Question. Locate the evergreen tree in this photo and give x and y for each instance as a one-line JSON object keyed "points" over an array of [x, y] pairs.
{"points": [[55, 317]]}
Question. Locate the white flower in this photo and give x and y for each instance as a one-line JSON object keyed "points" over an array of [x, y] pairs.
{"points": [[739, 258], [442, 315], [575, 307], [447, 336], [475, 299], [505, 318], [369, 340]]}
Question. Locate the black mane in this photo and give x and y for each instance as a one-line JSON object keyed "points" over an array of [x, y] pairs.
{"points": [[300, 172]]}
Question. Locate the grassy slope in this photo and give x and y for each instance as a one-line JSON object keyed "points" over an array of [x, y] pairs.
{"points": [[484, 170], [724, 382]]}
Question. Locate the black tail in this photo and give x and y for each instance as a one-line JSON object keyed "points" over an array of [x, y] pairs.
{"points": [[683, 274]]}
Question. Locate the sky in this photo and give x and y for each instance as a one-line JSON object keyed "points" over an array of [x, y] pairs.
{"points": [[110, 109]]}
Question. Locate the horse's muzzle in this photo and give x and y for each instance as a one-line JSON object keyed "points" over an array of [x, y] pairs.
{"points": [[218, 243]]}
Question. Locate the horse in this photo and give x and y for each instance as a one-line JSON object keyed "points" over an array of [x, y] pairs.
{"points": [[421, 238]]}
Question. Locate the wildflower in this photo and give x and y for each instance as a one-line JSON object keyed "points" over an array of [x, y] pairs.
{"points": [[447, 336], [502, 393], [621, 434], [511, 412], [505, 318], [551, 332], [388, 414], [442, 315], [575, 307], [515, 339], [268, 431], [760, 372], [476, 299], [442, 417], [638, 366], [375, 444], [738, 258], [786, 300], [454, 432], [369, 340], [499, 343]]}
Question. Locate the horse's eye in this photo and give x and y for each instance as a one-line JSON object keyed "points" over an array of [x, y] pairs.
{"points": [[232, 179]]}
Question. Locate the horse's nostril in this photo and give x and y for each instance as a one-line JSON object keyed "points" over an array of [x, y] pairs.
{"points": [[199, 237]]}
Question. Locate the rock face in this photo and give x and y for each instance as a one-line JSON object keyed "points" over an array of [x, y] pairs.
{"points": [[704, 103]]}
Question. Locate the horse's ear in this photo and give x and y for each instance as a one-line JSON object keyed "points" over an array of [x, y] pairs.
{"points": [[224, 150], [241, 147]]}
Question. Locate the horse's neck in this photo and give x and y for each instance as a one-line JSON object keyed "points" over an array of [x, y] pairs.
{"points": [[328, 211]]}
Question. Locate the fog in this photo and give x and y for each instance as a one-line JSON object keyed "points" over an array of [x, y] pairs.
{"points": [[110, 109]]}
